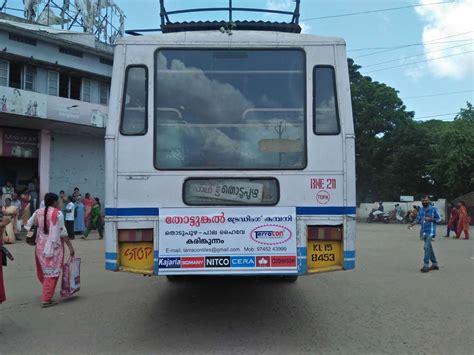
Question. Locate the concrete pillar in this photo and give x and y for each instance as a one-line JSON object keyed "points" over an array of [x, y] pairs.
{"points": [[44, 162]]}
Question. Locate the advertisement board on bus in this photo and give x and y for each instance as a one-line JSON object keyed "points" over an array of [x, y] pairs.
{"points": [[228, 240]]}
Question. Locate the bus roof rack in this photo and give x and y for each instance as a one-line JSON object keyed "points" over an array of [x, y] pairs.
{"points": [[167, 26]]}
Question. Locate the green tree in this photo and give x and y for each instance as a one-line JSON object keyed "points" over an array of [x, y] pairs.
{"points": [[378, 113], [452, 165]]}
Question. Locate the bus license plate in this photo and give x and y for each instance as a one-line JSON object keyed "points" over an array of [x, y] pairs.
{"points": [[323, 254]]}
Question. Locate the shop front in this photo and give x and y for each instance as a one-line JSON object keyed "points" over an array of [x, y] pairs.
{"points": [[19, 158]]}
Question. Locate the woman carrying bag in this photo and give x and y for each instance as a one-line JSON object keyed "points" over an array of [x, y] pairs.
{"points": [[49, 252]]}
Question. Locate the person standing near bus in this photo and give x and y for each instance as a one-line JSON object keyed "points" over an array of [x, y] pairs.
{"points": [[7, 190], [453, 221], [49, 252], [95, 220], [69, 209], [463, 221], [428, 217]]}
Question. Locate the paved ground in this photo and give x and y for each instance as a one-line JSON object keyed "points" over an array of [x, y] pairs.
{"points": [[385, 306]]}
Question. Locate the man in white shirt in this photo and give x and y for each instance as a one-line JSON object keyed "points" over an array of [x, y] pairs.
{"points": [[69, 218]]}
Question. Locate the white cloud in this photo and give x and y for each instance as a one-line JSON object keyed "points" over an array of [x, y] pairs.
{"points": [[441, 21], [280, 5], [305, 28], [285, 5]]}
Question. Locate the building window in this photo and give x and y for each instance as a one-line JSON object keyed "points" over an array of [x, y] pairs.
{"points": [[53, 83], [29, 78], [15, 75], [3, 73], [75, 84], [86, 90], [104, 93]]}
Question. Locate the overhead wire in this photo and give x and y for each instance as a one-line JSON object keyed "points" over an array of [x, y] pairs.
{"points": [[409, 45], [377, 10], [438, 94], [415, 44], [421, 61], [438, 115], [414, 56]]}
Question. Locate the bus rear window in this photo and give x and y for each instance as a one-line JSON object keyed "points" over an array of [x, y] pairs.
{"points": [[326, 120], [231, 191], [230, 109], [134, 107]]}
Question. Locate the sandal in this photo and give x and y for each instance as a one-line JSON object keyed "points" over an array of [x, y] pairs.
{"points": [[49, 304]]}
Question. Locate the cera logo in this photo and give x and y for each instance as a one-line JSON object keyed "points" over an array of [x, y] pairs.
{"points": [[242, 261], [271, 234], [192, 262], [169, 263], [218, 261], [263, 261], [323, 197]]}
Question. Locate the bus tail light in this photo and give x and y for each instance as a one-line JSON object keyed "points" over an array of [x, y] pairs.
{"points": [[325, 249], [136, 250]]}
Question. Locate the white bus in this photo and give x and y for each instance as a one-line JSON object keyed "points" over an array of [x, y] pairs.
{"points": [[230, 155]]}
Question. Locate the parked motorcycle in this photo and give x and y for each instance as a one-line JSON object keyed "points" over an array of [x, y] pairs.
{"points": [[381, 217]]}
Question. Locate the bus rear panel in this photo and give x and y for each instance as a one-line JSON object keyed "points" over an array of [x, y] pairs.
{"points": [[230, 155]]}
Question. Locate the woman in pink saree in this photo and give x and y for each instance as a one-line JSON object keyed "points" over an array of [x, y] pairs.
{"points": [[88, 203], [49, 252]]}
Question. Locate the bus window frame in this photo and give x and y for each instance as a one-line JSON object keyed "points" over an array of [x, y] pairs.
{"points": [[336, 106], [305, 105], [230, 178], [125, 84]]}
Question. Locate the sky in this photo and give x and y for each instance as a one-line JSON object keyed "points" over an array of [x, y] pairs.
{"points": [[424, 52]]}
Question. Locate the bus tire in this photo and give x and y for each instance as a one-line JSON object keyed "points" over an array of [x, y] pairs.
{"points": [[291, 278]]}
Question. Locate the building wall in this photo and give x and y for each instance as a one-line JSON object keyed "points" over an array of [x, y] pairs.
{"points": [[77, 161], [48, 52]]}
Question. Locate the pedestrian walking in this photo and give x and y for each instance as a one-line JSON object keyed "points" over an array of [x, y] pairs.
{"points": [[88, 203], [79, 220], [95, 220], [4, 220], [428, 217], [69, 210], [9, 231], [49, 252], [453, 221], [463, 221]]}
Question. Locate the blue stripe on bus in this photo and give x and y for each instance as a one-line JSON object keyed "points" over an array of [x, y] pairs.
{"points": [[153, 211], [349, 254], [111, 266], [131, 211], [349, 264], [156, 254], [339, 210], [111, 256], [302, 251]]}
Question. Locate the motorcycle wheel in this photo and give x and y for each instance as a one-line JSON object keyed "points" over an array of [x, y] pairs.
{"points": [[386, 220], [369, 220]]}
